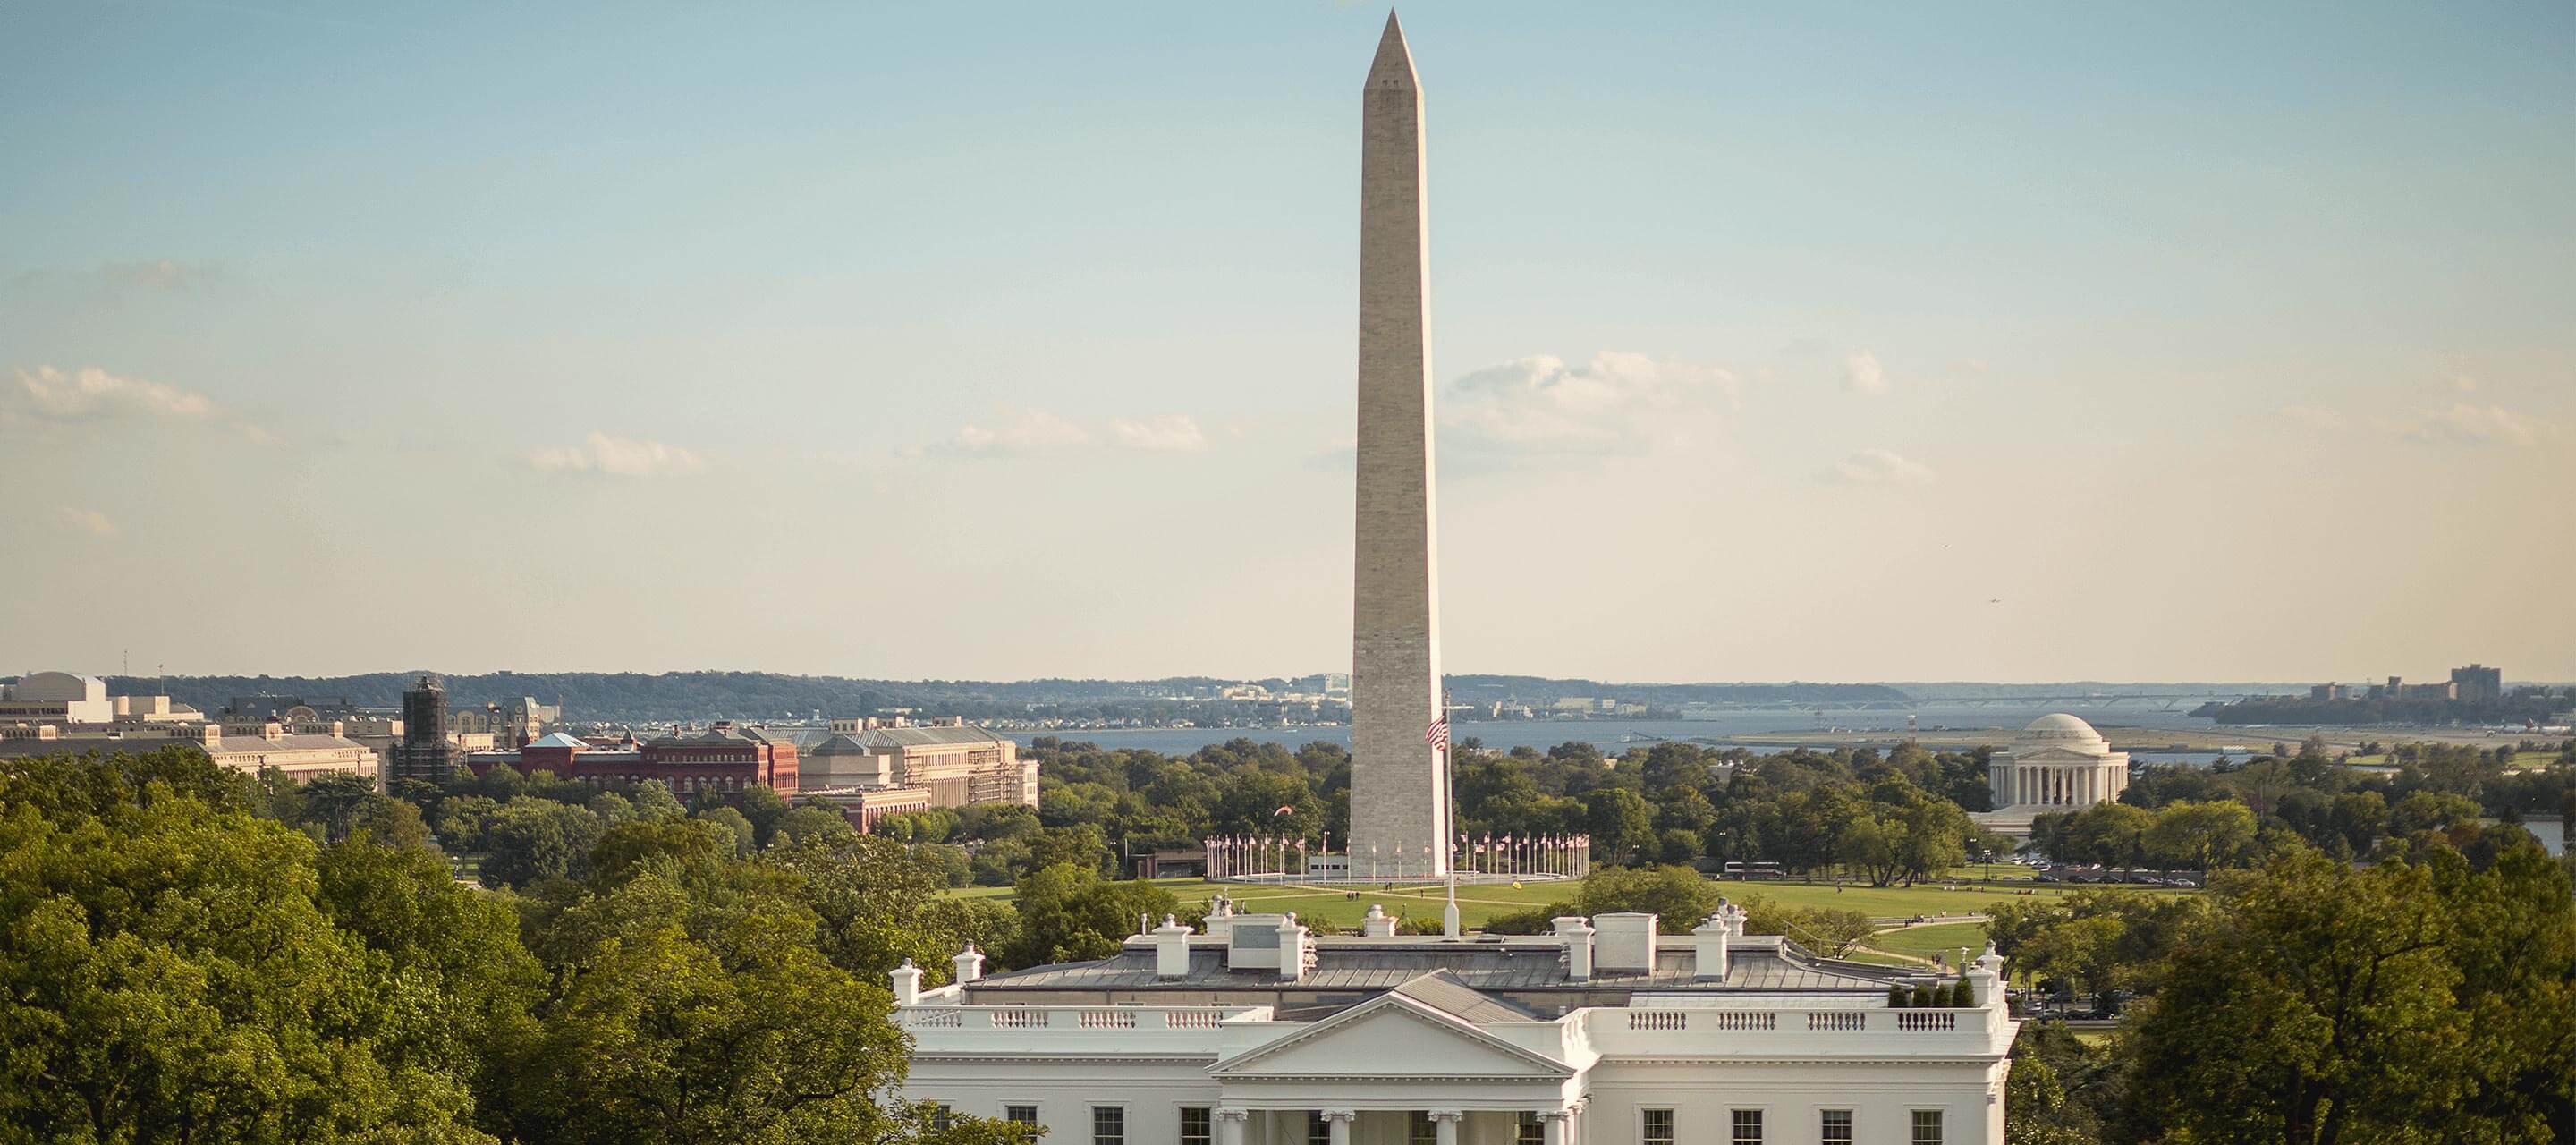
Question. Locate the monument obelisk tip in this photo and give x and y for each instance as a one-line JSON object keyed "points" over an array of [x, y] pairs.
{"points": [[1394, 62]]}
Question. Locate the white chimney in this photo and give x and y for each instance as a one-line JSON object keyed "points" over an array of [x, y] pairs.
{"points": [[970, 964], [1292, 948], [1577, 935], [1626, 944], [1220, 917], [1708, 948], [907, 983], [1171, 949], [1377, 923], [1987, 978]]}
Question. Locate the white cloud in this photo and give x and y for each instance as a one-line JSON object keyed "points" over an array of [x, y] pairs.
{"points": [[2463, 383], [1022, 432], [1017, 432], [93, 394], [1878, 467], [1862, 374], [1616, 403], [88, 522], [618, 457], [2465, 424], [1168, 433]]}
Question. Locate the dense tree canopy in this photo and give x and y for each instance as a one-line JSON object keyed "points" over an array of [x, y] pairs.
{"points": [[182, 964]]}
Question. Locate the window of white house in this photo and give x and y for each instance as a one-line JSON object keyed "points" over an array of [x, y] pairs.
{"points": [[1108, 1125], [1747, 1127], [1529, 1130], [1658, 1127], [1927, 1127], [1195, 1126], [1020, 1114], [1834, 1127], [1421, 1130]]}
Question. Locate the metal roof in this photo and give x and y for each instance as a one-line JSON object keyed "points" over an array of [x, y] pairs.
{"points": [[1488, 965]]}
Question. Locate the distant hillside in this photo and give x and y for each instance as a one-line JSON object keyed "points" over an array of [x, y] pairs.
{"points": [[1540, 689], [635, 696]]}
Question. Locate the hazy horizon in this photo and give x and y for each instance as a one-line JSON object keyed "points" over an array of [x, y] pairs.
{"points": [[1835, 343]]}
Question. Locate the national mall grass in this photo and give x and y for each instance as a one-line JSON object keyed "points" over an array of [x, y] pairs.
{"points": [[1342, 905]]}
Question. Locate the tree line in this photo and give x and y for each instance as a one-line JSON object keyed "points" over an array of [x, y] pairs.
{"points": [[184, 962]]}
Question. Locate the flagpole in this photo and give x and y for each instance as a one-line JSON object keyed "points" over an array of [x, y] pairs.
{"points": [[1449, 923]]}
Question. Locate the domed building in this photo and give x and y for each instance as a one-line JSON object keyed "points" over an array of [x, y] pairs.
{"points": [[2058, 763]]}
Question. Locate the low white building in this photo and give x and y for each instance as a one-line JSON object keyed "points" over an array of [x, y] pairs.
{"points": [[1604, 1033]]}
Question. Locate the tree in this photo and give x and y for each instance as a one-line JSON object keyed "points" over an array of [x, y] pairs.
{"points": [[2199, 836], [1679, 894], [1069, 913], [170, 972], [1622, 825], [529, 839], [763, 807], [2315, 1007], [876, 906]]}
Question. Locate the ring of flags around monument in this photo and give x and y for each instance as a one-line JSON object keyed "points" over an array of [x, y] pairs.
{"points": [[1288, 857]]}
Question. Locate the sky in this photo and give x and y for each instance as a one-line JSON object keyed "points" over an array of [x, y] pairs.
{"points": [[1823, 342]]}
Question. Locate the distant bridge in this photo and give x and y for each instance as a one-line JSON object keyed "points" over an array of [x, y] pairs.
{"points": [[2161, 701]]}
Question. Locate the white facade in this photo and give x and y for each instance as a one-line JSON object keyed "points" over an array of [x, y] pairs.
{"points": [[2058, 763], [1605, 1033]]}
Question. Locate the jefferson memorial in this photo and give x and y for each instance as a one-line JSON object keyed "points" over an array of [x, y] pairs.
{"points": [[2057, 764]]}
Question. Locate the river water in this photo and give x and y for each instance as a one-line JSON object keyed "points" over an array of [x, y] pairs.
{"points": [[1613, 736]]}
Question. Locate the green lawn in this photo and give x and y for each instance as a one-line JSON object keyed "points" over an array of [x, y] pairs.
{"points": [[1943, 939], [1343, 906]]}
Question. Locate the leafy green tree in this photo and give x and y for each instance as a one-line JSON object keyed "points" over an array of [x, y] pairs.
{"points": [[529, 839], [744, 836], [1069, 913], [1622, 825], [699, 1021], [653, 800], [2315, 1007], [764, 808], [169, 972], [875, 905], [1679, 894], [2201, 836], [335, 802]]}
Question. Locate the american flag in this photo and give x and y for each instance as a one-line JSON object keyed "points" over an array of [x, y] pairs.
{"points": [[1438, 734]]}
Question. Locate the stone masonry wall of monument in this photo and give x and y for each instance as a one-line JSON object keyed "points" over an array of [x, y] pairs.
{"points": [[1399, 785]]}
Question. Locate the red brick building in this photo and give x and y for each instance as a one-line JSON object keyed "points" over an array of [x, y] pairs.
{"points": [[723, 758]]}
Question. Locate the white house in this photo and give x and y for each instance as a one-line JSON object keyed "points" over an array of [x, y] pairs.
{"points": [[1604, 1033]]}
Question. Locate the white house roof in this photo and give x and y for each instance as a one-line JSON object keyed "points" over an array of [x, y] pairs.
{"points": [[1490, 968]]}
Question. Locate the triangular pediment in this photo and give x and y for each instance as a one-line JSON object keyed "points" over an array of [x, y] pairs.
{"points": [[2056, 755], [1390, 1036]]}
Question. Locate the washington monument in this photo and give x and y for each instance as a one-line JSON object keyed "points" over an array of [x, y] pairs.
{"points": [[1399, 785]]}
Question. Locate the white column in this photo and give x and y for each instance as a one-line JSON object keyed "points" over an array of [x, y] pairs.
{"points": [[1551, 1122], [1229, 1126], [1337, 1123], [1444, 1126]]}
